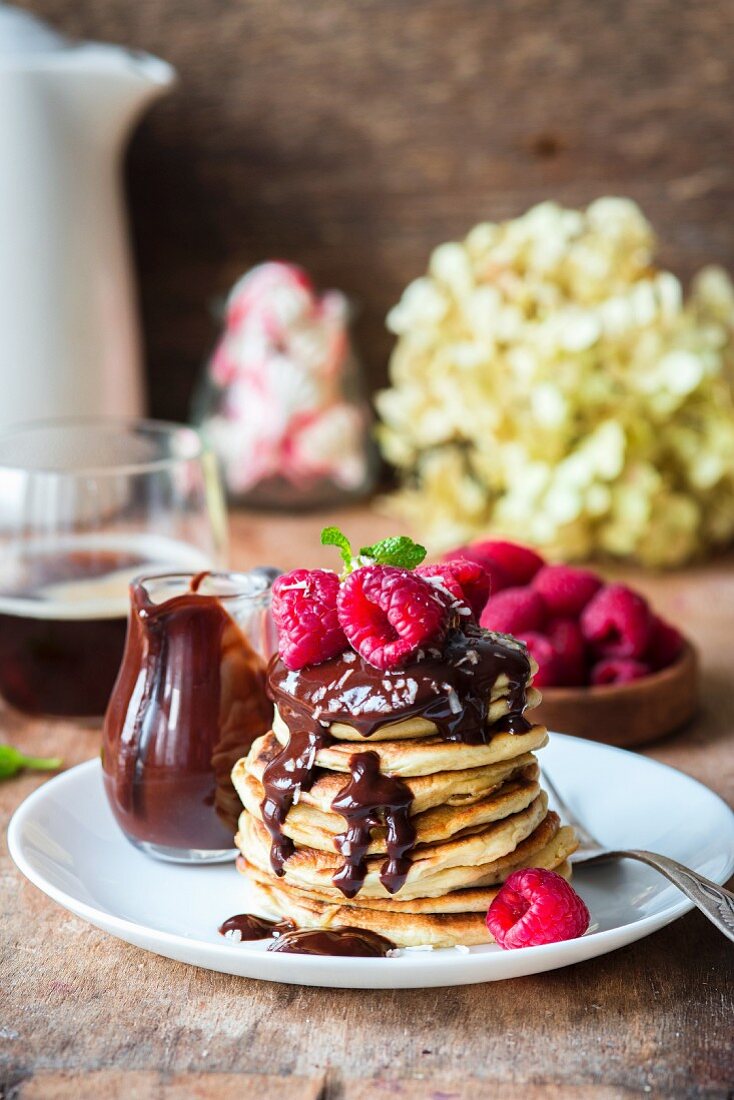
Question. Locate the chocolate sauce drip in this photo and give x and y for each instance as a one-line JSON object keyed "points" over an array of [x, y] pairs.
{"points": [[452, 689], [512, 723], [254, 928], [293, 769], [356, 943], [370, 799]]}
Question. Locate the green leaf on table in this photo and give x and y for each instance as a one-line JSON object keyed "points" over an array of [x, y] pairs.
{"points": [[398, 550], [12, 761]]}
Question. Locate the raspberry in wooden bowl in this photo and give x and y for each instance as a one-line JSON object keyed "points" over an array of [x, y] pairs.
{"points": [[627, 714], [610, 669]]}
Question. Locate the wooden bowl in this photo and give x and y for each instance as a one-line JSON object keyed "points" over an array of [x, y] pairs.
{"points": [[626, 714]]}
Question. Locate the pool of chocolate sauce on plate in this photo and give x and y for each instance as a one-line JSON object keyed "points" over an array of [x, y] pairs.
{"points": [[451, 688], [189, 701], [245, 926], [290, 940], [355, 943]]}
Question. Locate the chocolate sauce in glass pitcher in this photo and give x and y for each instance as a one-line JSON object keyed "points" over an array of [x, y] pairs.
{"points": [[189, 701]]}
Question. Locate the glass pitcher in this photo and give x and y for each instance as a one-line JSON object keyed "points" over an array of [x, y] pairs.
{"points": [[189, 701]]}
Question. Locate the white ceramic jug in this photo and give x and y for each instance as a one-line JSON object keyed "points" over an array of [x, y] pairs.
{"points": [[69, 341]]}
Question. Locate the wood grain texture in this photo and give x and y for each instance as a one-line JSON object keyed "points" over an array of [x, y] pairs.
{"points": [[437, 1088], [110, 1084], [353, 137], [79, 1009]]}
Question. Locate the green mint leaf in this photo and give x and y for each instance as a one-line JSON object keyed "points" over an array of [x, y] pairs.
{"points": [[398, 550], [332, 536], [12, 761]]}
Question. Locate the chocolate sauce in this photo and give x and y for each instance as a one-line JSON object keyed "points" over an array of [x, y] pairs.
{"points": [[356, 943], [512, 723], [189, 701], [451, 688], [250, 927], [369, 799], [198, 579], [293, 769]]}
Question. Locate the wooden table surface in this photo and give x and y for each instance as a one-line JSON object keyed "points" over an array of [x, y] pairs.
{"points": [[84, 1015]]}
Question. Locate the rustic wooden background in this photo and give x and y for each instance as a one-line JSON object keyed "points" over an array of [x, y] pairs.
{"points": [[353, 135]]}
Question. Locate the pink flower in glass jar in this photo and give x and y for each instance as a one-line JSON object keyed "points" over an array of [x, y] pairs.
{"points": [[280, 370], [328, 444]]}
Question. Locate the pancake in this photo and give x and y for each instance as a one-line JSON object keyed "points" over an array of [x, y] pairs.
{"points": [[312, 828], [412, 728], [403, 929], [453, 788], [451, 688], [547, 846], [434, 867], [455, 918], [432, 754]]}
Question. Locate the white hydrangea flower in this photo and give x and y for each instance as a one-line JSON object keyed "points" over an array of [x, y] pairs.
{"points": [[551, 384]]}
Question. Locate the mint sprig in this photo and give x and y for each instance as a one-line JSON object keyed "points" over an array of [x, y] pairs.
{"points": [[399, 550], [332, 536], [12, 761]]}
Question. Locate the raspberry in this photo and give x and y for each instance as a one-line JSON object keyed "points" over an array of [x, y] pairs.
{"points": [[467, 581], [518, 563], [569, 644], [389, 613], [535, 907], [550, 668], [618, 670], [304, 611], [514, 611], [498, 578], [566, 590], [617, 622], [665, 645]]}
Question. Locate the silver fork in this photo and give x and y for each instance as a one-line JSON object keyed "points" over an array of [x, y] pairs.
{"points": [[713, 901]]}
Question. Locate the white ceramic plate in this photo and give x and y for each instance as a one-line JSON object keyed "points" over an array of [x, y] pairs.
{"points": [[65, 840]]}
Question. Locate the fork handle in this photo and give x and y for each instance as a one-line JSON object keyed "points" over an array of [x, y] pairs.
{"points": [[713, 901]]}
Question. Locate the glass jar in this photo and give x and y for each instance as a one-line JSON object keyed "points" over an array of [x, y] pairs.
{"points": [[85, 506], [189, 700], [282, 402]]}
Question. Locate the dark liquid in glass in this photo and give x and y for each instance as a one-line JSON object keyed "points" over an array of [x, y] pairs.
{"points": [[59, 667], [55, 659]]}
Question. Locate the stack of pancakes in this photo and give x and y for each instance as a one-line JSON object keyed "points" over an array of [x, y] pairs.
{"points": [[477, 810]]}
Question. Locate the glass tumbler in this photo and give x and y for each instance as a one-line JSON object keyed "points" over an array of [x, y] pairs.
{"points": [[85, 505], [189, 701]]}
